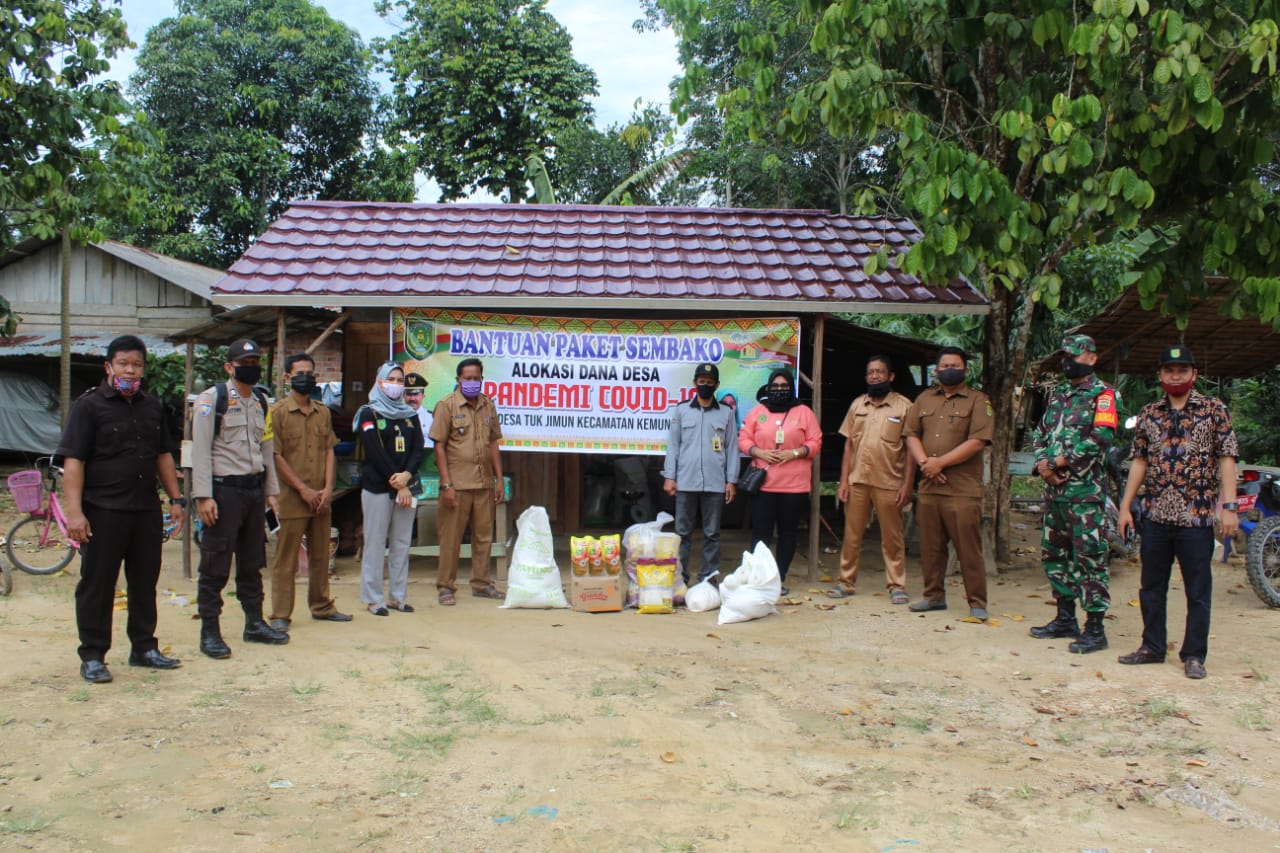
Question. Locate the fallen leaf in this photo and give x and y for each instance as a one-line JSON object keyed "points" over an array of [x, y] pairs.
{"points": [[1133, 602], [714, 636], [1248, 675], [1040, 709], [952, 729], [668, 757], [1029, 740], [1100, 676], [1036, 758], [845, 712], [993, 623], [825, 579], [557, 624], [972, 620], [1018, 618], [1197, 762], [825, 606]]}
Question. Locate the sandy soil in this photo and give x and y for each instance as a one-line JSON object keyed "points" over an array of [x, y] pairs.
{"points": [[860, 727]]}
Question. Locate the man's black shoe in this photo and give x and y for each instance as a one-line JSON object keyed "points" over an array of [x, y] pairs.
{"points": [[95, 672], [211, 642], [1064, 625], [154, 659], [258, 631], [1093, 638]]}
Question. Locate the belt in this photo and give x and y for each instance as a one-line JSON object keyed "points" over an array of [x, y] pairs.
{"points": [[240, 481]]}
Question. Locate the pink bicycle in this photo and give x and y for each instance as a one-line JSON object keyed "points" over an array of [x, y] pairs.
{"points": [[38, 544]]}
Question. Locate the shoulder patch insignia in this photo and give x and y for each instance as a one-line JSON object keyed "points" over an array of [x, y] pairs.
{"points": [[205, 409], [1105, 413]]}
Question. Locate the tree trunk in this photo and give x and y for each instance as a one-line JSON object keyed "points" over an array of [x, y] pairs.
{"points": [[64, 348], [998, 381]]}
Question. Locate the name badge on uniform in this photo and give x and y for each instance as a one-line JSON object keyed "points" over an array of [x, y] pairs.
{"points": [[779, 437], [400, 444], [716, 444]]}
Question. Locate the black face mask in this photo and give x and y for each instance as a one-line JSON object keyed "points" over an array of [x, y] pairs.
{"points": [[303, 383], [779, 399], [951, 376], [706, 392], [1073, 369], [249, 374], [879, 389]]}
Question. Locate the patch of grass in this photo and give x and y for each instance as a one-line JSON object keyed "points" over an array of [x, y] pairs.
{"points": [[1158, 708], [436, 741], [305, 691], [1254, 718], [1026, 792], [597, 689], [624, 742], [81, 695], [605, 709], [34, 822], [352, 673], [336, 731], [1260, 676], [915, 724], [83, 773], [557, 717], [210, 699], [258, 768], [404, 781], [676, 846], [855, 817]]}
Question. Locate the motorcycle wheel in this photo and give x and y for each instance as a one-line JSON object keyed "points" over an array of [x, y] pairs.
{"points": [[1263, 564]]}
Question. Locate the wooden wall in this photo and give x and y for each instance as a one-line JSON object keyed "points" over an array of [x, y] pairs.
{"points": [[107, 294]]}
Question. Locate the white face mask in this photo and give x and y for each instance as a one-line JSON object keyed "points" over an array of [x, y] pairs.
{"points": [[393, 390]]}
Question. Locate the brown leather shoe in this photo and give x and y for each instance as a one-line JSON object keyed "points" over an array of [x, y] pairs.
{"points": [[1142, 655], [1194, 668]]}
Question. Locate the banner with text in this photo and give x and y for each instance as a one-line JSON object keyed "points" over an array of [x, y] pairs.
{"points": [[587, 385]]}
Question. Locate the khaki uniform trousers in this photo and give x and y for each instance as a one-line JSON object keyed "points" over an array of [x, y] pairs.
{"points": [[284, 566], [957, 520], [475, 507], [857, 513]]}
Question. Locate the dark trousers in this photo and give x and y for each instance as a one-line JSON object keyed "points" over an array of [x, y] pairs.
{"points": [[240, 532], [689, 507], [782, 510], [133, 538], [1193, 547]]}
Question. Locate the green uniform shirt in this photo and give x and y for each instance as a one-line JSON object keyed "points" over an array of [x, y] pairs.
{"points": [[1079, 425]]}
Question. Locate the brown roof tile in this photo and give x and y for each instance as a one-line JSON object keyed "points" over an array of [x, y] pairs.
{"points": [[424, 254]]}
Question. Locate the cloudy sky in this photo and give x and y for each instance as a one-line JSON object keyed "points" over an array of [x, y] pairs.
{"points": [[629, 65]]}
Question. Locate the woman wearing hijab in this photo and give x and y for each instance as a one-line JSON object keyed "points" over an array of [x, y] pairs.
{"points": [[781, 435], [392, 440]]}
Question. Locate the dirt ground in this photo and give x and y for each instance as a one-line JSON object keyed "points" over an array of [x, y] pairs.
{"points": [[859, 727]]}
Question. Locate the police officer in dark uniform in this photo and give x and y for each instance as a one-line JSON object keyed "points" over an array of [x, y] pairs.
{"points": [[1071, 444], [117, 441], [234, 480]]}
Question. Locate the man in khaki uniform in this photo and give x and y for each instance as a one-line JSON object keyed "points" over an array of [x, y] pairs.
{"points": [[305, 465], [466, 433], [948, 427], [876, 472]]}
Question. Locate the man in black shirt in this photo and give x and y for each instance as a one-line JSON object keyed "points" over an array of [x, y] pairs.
{"points": [[117, 441]]}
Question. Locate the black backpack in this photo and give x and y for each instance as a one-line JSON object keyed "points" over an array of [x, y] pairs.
{"points": [[220, 405]]}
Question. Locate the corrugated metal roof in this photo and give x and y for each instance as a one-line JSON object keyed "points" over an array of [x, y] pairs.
{"points": [[193, 277], [49, 344], [581, 256]]}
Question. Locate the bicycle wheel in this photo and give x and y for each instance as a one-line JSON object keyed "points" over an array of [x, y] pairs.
{"points": [[1263, 564], [27, 553]]}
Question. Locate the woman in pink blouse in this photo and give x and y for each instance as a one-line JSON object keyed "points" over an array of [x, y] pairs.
{"points": [[781, 435]]}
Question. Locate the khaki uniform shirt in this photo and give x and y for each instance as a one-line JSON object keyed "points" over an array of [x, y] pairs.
{"points": [[462, 430], [942, 424], [303, 439], [242, 447], [874, 428]]}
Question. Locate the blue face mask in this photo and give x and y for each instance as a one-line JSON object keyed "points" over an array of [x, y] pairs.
{"points": [[126, 387]]}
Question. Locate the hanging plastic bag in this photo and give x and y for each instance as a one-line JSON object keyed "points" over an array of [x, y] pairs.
{"points": [[702, 596], [641, 540], [753, 589], [534, 579]]}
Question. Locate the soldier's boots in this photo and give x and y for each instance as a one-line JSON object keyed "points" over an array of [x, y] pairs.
{"points": [[1065, 625], [256, 630], [211, 639], [1094, 638]]}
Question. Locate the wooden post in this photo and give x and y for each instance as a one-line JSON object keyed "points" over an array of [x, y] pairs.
{"points": [[188, 525], [332, 327], [64, 326], [277, 358], [815, 489]]}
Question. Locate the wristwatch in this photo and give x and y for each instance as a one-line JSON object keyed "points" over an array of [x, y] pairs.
{"points": [[446, 486], [1231, 505], [182, 502]]}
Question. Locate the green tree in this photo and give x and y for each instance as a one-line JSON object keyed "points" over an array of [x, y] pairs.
{"points": [[479, 86], [1023, 132], [62, 125], [260, 102], [1255, 409]]}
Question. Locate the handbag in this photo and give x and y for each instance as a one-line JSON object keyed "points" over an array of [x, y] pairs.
{"points": [[752, 479]]}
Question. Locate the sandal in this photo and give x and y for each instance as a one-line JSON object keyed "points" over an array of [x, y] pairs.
{"points": [[378, 610], [489, 591], [446, 598], [839, 592], [899, 596], [402, 606]]}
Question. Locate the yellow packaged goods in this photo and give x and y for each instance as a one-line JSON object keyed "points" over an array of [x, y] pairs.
{"points": [[611, 553], [657, 577], [579, 554], [593, 554], [668, 545]]}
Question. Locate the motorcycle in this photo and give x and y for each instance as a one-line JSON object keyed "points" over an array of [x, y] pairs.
{"points": [[1258, 493], [1118, 464]]}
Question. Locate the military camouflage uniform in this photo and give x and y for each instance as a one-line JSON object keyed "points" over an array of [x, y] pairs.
{"points": [[1078, 425]]}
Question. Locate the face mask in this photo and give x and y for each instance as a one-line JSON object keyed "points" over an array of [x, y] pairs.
{"points": [[303, 383], [392, 391], [779, 396], [952, 376], [879, 389], [1073, 369], [125, 387], [1178, 389], [471, 387], [706, 392], [249, 374]]}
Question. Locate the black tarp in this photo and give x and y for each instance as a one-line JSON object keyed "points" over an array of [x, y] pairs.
{"points": [[29, 414]]}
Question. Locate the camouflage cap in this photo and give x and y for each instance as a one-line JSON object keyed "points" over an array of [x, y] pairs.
{"points": [[1077, 345]]}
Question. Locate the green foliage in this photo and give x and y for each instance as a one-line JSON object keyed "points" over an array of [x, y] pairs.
{"points": [[478, 86], [591, 166], [165, 375], [260, 102], [66, 134], [8, 319], [1255, 412]]}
